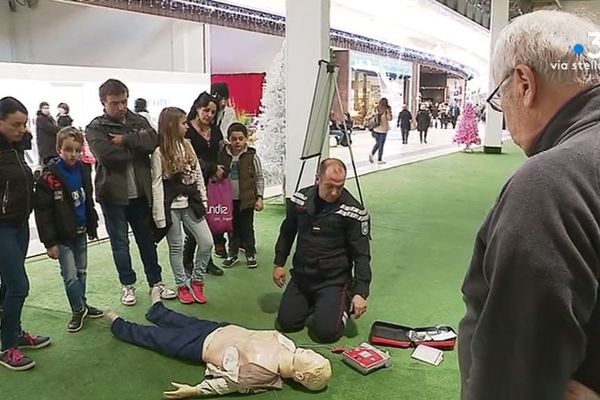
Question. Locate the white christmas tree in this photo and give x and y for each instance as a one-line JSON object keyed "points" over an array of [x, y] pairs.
{"points": [[271, 123]]}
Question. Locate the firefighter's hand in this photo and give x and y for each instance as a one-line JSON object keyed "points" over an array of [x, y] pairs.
{"points": [[359, 306], [279, 275]]}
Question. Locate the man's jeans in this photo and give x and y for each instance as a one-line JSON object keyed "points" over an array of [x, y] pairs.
{"points": [[73, 268], [14, 240], [137, 214]]}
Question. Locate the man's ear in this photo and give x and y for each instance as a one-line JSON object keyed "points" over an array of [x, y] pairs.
{"points": [[316, 179]]}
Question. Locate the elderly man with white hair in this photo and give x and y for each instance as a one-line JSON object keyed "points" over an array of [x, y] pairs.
{"points": [[532, 323]]}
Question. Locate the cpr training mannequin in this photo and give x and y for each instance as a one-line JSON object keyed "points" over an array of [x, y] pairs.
{"points": [[237, 359]]}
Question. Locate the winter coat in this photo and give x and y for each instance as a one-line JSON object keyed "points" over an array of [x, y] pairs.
{"points": [[55, 209], [113, 160], [423, 120], [64, 120], [166, 190], [332, 247], [404, 119], [251, 180], [16, 184], [46, 130]]}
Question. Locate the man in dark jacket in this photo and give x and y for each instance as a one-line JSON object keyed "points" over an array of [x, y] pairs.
{"points": [[404, 121], [332, 272], [532, 324], [122, 142], [454, 113], [45, 132]]}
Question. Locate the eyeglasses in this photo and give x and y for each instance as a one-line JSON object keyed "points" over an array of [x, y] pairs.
{"points": [[495, 100]]}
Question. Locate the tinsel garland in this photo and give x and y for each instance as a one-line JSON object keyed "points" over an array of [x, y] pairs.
{"points": [[217, 13]]}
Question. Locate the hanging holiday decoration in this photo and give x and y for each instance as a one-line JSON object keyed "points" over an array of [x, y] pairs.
{"points": [[217, 13], [468, 131], [270, 133]]}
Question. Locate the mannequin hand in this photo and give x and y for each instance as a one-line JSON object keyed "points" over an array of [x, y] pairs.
{"points": [[359, 306], [183, 391], [53, 252], [259, 204], [279, 276]]}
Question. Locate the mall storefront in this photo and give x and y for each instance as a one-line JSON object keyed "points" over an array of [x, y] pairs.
{"points": [[365, 78]]}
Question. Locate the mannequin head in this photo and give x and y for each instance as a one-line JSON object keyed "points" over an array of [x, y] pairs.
{"points": [[311, 369]]}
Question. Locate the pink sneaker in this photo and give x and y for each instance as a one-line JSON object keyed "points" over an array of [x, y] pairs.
{"points": [[14, 360], [198, 292], [184, 294]]}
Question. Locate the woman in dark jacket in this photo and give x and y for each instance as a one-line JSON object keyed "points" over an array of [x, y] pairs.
{"points": [[46, 130], [423, 123], [16, 192], [64, 119], [207, 141]]}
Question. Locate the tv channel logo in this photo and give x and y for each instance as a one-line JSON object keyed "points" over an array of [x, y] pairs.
{"points": [[593, 53]]}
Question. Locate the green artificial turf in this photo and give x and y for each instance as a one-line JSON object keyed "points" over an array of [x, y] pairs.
{"points": [[424, 219]]}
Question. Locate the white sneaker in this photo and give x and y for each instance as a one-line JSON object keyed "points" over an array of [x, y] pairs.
{"points": [[371, 158], [381, 162], [128, 298], [165, 292]]}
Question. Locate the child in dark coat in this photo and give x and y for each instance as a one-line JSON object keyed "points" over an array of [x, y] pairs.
{"points": [[66, 218]]}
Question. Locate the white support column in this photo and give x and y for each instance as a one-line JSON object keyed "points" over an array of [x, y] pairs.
{"points": [[492, 141], [189, 53], [415, 89], [307, 42]]}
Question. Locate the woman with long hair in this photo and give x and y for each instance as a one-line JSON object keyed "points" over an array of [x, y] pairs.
{"points": [[207, 141], [179, 199], [383, 115]]}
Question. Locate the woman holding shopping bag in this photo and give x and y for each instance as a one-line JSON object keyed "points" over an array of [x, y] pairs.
{"points": [[207, 141]]}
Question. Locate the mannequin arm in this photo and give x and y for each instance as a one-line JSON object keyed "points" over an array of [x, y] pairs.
{"points": [[207, 387]]}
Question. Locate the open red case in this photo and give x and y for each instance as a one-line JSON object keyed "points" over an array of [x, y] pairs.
{"points": [[387, 334]]}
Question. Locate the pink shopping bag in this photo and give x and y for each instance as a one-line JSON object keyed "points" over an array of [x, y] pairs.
{"points": [[219, 213]]}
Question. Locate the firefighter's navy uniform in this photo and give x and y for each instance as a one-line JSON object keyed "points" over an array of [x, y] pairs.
{"points": [[331, 263]]}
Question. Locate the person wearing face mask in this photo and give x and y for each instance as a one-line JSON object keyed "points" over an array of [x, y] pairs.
{"points": [[16, 203], [207, 141], [122, 143], [331, 271], [532, 323], [238, 359], [45, 133]]}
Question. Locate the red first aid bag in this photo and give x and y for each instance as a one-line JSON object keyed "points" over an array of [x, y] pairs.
{"points": [[386, 334]]}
